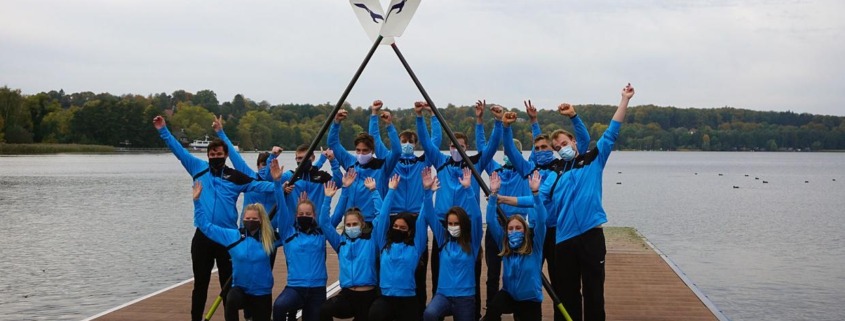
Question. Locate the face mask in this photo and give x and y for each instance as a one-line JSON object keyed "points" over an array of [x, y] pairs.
{"points": [[454, 231], [567, 153], [364, 158], [397, 236], [305, 222], [252, 226], [407, 149], [353, 232], [515, 239], [456, 156], [508, 162], [217, 164], [544, 157], [305, 166]]}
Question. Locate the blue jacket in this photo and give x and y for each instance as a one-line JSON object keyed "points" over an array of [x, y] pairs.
{"points": [[311, 182], [305, 252], [578, 190], [267, 199], [377, 168], [222, 188], [250, 264], [449, 172], [457, 268], [399, 261], [356, 257], [409, 194], [513, 182], [521, 274]]}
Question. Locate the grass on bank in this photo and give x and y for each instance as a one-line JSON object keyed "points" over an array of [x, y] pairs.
{"points": [[30, 149]]}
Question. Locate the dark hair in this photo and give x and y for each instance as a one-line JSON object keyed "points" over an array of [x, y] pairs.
{"points": [[460, 135], [366, 139], [217, 143], [262, 158], [541, 137], [465, 239], [409, 135], [302, 148], [409, 219]]}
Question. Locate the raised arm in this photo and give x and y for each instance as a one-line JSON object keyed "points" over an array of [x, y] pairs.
{"points": [[323, 219], [427, 213], [627, 94], [521, 166], [192, 164], [432, 153], [284, 219], [237, 160], [436, 131], [608, 139], [493, 226], [382, 221], [395, 145], [480, 139], [495, 138], [381, 150], [333, 140], [582, 135], [467, 201]]}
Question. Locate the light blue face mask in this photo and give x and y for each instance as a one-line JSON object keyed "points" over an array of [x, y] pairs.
{"points": [[515, 239], [544, 157], [408, 149], [353, 232], [567, 153], [508, 162]]}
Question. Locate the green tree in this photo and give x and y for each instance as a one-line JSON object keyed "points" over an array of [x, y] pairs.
{"points": [[56, 126], [194, 121], [208, 100], [256, 130]]}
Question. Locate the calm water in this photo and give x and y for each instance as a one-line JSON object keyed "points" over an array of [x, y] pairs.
{"points": [[83, 233]]}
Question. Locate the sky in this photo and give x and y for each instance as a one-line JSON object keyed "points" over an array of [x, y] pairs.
{"points": [[762, 54]]}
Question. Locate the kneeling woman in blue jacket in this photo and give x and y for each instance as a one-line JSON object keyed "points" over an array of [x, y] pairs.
{"points": [[250, 249], [401, 245], [522, 256], [305, 257], [459, 243]]}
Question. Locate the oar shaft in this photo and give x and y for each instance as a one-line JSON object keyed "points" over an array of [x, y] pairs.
{"points": [[219, 299]]}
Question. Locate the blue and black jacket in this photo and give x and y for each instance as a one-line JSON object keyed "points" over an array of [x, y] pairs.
{"points": [[356, 257], [457, 267], [398, 261], [267, 199]]}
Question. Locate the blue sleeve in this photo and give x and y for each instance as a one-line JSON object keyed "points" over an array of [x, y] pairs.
{"points": [[427, 213], [340, 208], [337, 175], [539, 222], [395, 151], [325, 224], [432, 153], [421, 233], [320, 161], [237, 160], [521, 166], [192, 164], [220, 235], [436, 132], [265, 172], [607, 140], [259, 186], [535, 131], [582, 135], [492, 146], [284, 219], [493, 225], [380, 224], [470, 204], [480, 140], [341, 154], [379, 205], [381, 150]]}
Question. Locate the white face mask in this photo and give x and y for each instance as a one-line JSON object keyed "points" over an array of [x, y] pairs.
{"points": [[456, 156], [353, 231], [455, 231], [408, 149], [567, 153], [364, 158]]}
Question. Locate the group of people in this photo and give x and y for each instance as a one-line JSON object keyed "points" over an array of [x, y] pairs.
{"points": [[546, 207]]}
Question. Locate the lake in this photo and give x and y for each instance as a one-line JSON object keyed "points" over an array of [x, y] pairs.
{"points": [[83, 233]]}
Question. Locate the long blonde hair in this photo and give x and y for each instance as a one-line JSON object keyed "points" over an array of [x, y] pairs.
{"points": [[266, 229], [527, 243]]}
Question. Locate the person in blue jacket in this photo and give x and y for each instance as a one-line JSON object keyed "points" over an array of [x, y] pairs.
{"points": [[364, 163], [250, 248], [400, 244], [521, 249], [356, 255], [224, 184], [311, 178], [305, 256], [580, 248], [459, 241]]}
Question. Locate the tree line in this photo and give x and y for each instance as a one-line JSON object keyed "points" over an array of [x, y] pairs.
{"points": [[125, 121]]}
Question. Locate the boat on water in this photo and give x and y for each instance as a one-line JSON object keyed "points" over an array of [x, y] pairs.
{"points": [[202, 144]]}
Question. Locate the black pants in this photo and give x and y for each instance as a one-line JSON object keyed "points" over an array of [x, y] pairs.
{"points": [[549, 257], [387, 308], [581, 262], [494, 266], [260, 306], [522, 310], [204, 252], [419, 278], [348, 304]]}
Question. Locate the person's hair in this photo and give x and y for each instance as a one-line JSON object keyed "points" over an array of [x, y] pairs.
{"points": [[410, 220], [518, 144], [542, 137], [217, 143], [465, 239], [365, 228], [527, 243], [460, 135], [302, 148], [262, 158], [367, 140], [410, 135], [559, 132], [266, 230], [306, 202]]}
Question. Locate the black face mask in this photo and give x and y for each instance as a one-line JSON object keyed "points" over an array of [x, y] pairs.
{"points": [[217, 164], [252, 226], [305, 222], [306, 166], [397, 236]]}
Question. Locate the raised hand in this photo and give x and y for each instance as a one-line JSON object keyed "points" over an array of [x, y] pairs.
{"points": [[628, 91], [289, 187], [466, 179], [427, 178], [530, 110], [276, 150], [376, 106], [497, 111], [341, 115], [159, 122], [436, 185], [197, 190], [394, 181], [566, 109], [349, 178], [217, 124], [534, 182], [370, 183], [275, 170], [303, 196], [509, 118], [495, 182], [328, 153], [330, 188], [419, 106], [479, 110], [387, 117]]}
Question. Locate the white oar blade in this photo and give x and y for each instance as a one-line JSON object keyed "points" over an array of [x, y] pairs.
{"points": [[372, 18], [399, 14]]}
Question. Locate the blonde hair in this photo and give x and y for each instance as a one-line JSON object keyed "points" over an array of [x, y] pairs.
{"points": [[266, 229], [354, 211], [527, 243]]}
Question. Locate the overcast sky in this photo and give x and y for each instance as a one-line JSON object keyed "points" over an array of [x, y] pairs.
{"points": [[759, 54]]}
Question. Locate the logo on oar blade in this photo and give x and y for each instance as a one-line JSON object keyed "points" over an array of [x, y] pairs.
{"points": [[375, 22], [375, 16]]}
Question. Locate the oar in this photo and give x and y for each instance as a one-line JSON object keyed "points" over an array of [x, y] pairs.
{"points": [[475, 173], [218, 300]]}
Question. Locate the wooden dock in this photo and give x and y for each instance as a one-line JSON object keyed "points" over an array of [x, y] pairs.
{"points": [[641, 284]]}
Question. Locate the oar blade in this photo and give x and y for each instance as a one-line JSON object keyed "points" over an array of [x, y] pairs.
{"points": [[399, 14], [372, 18]]}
